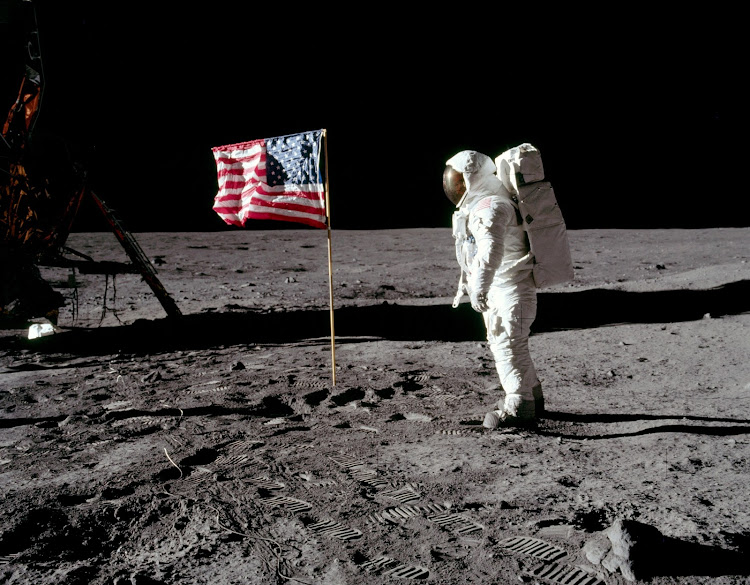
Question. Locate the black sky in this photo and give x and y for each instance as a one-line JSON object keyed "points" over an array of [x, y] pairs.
{"points": [[639, 119]]}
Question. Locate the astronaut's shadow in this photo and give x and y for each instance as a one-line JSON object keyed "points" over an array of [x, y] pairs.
{"points": [[633, 417], [397, 321], [601, 307], [672, 557], [556, 311], [687, 424], [656, 555]]}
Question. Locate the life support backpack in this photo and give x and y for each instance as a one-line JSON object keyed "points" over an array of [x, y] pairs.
{"points": [[521, 171]]}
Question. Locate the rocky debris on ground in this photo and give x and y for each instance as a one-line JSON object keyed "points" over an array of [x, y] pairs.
{"points": [[627, 547]]}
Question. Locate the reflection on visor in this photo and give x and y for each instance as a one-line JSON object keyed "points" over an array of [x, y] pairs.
{"points": [[453, 184]]}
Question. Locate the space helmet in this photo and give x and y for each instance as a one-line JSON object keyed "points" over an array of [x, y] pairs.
{"points": [[453, 184]]}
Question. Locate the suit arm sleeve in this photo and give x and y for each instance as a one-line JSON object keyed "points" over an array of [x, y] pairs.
{"points": [[489, 225]]}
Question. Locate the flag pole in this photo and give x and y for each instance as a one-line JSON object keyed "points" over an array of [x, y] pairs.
{"points": [[330, 269]]}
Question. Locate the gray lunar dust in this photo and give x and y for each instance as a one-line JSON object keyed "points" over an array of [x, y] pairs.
{"points": [[224, 448]]}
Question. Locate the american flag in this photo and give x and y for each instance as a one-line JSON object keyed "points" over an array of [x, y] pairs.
{"points": [[483, 204], [271, 178]]}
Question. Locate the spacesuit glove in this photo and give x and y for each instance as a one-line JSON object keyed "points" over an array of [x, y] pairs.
{"points": [[479, 301]]}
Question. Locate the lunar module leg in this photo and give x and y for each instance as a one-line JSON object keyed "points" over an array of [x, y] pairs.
{"points": [[139, 259]]}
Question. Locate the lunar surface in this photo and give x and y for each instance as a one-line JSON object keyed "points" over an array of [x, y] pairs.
{"points": [[300, 425]]}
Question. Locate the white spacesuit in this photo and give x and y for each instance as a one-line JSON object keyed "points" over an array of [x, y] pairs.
{"points": [[493, 252]]}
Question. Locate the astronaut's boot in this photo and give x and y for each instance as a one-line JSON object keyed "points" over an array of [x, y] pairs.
{"points": [[515, 411]]}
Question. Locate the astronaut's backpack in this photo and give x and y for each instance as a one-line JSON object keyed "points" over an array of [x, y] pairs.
{"points": [[521, 171]]}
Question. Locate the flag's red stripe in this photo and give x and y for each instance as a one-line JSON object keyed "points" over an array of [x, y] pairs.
{"points": [[237, 209], [305, 220], [242, 185], [283, 205], [289, 191], [239, 146], [235, 205], [238, 161], [239, 153], [233, 218], [301, 195], [226, 210], [229, 198], [239, 173]]}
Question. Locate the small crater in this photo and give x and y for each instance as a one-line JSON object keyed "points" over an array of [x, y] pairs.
{"points": [[408, 385], [72, 499], [201, 457], [348, 396], [591, 521], [315, 398], [273, 407], [386, 393]]}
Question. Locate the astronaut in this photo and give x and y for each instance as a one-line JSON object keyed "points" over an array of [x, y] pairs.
{"points": [[493, 252]]}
